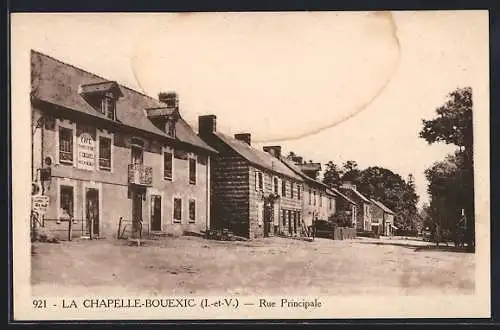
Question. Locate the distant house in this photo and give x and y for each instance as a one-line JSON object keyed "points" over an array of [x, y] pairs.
{"points": [[382, 219], [363, 207], [253, 193], [319, 202], [345, 206]]}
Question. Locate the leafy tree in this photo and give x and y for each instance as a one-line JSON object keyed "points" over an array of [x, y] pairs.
{"points": [[332, 175], [451, 182], [350, 171]]}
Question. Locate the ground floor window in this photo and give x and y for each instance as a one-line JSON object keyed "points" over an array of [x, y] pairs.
{"points": [[192, 211], [66, 202], [177, 210]]}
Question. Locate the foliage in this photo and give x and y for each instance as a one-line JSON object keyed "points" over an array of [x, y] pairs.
{"points": [[451, 181]]}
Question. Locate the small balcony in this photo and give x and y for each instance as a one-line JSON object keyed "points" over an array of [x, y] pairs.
{"points": [[140, 175]]}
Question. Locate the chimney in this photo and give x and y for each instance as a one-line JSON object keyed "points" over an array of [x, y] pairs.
{"points": [[273, 150], [349, 185], [171, 99], [207, 125], [245, 137]]}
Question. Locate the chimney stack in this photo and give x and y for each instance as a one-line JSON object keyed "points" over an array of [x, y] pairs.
{"points": [[273, 150], [207, 125], [171, 99], [244, 137]]}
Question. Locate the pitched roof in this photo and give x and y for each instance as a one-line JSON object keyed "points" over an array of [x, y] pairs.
{"points": [[360, 195], [298, 171], [382, 206], [343, 196], [257, 157], [60, 83]]}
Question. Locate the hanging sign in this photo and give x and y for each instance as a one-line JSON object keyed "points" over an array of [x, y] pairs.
{"points": [[39, 204], [86, 152]]}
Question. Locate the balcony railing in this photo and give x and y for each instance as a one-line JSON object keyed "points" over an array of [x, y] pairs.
{"points": [[139, 174]]}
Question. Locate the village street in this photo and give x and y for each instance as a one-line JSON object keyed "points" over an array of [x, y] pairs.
{"points": [[272, 266]]}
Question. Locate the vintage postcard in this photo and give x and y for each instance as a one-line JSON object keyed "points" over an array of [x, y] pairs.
{"points": [[278, 165]]}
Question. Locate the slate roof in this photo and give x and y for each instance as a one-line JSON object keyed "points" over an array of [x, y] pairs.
{"points": [[360, 195], [382, 206], [304, 176], [59, 83], [257, 157], [343, 196]]}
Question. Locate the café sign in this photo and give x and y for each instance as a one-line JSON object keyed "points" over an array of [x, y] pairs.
{"points": [[86, 152]]}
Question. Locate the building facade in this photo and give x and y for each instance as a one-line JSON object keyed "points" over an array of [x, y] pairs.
{"points": [[102, 152], [254, 194], [382, 219], [362, 211]]}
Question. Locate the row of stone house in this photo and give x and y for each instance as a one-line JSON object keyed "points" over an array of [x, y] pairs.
{"points": [[102, 151]]}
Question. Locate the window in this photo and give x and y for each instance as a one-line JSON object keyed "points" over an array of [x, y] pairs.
{"points": [[192, 171], [108, 107], [259, 181], [177, 210], [330, 200], [168, 161], [291, 189], [65, 145], [283, 188], [170, 127], [320, 200], [66, 202], [298, 192], [314, 200], [192, 211], [275, 184], [309, 196], [105, 153], [283, 217]]}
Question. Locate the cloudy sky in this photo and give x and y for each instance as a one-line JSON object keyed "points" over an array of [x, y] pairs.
{"points": [[329, 86]]}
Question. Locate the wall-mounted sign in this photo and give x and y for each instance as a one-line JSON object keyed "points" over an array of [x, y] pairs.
{"points": [[86, 151], [39, 204]]}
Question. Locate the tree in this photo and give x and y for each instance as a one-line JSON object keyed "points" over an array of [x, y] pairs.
{"points": [[350, 171], [451, 182], [332, 175]]}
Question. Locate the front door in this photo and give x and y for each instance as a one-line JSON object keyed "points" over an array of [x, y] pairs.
{"points": [[136, 213], [155, 212], [268, 219], [92, 211]]}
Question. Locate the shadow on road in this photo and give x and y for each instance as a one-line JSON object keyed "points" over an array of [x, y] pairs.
{"points": [[420, 247]]}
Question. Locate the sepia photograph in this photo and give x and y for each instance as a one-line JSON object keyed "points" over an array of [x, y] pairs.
{"points": [[263, 165]]}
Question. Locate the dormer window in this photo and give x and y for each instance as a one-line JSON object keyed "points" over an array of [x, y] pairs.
{"points": [[108, 106], [164, 118], [102, 96]]}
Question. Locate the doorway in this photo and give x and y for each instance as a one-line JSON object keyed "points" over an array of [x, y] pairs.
{"points": [[137, 196], [155, 213], [268, 219], [137, 155], [92, 211]]}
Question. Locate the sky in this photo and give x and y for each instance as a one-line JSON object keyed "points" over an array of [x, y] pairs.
{"points": [[330, 86]]}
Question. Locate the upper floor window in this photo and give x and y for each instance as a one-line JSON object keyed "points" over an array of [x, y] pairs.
{"points": [[299, 192], [283, 188], [331, 202], [104, 153], [320, 200], [314, 200], [102, 96], [65, 145], [259, 181], [291, 189], [310, 192], [168, 162], [192, 171], [276, 184]]}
